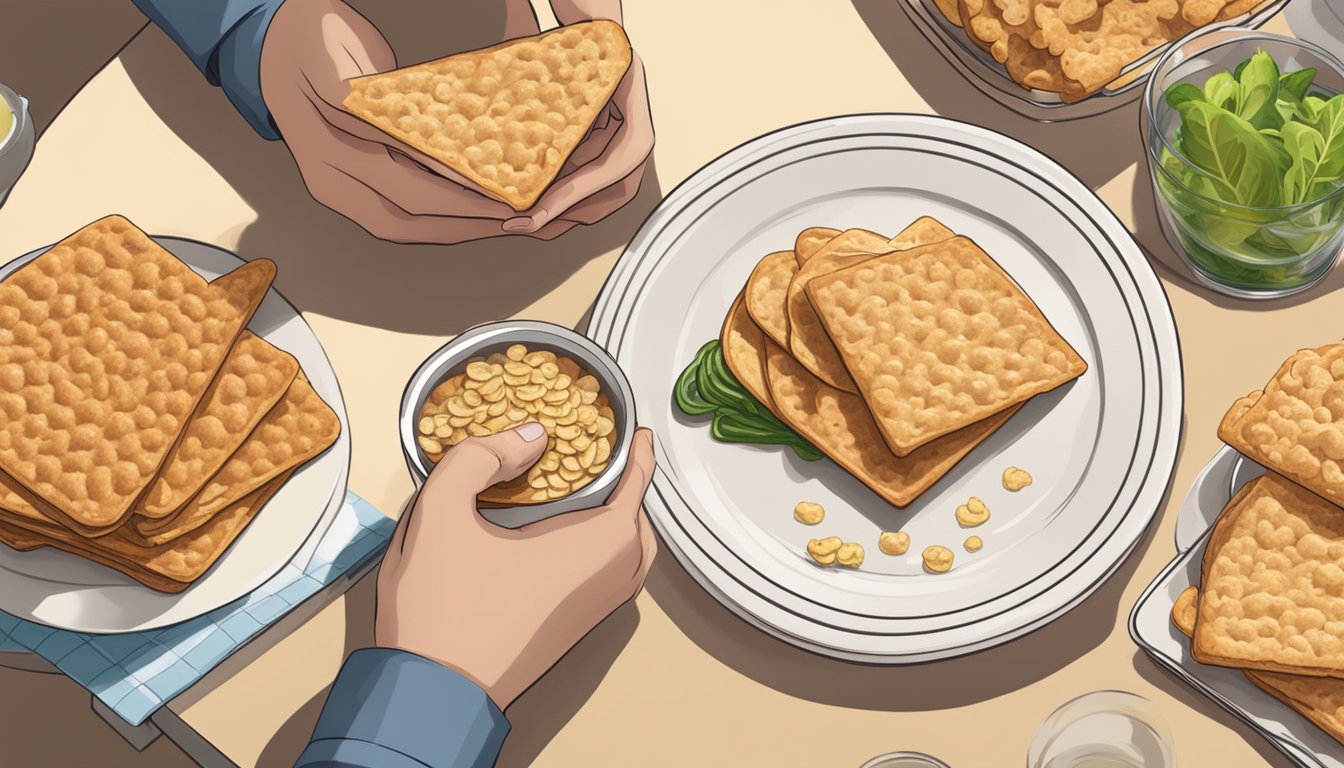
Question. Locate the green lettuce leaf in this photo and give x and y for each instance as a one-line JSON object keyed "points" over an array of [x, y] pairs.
{"points": [[1244, 165]]}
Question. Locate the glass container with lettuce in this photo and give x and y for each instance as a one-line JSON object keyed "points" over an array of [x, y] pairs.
{"points": [[1246, 145]]}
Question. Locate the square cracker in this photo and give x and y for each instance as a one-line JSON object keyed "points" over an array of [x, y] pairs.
{"points": [[107, 344], [168, 568], [506, 117], [839, 425], [1272, 594], [1295, 426], [298, 428], [938, 338], [252, 380], [807, 338], [1319, 699]]}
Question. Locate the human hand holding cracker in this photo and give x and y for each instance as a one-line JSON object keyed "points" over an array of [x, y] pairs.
{"points": [[500, 606], [313, 49], [605, 171]]}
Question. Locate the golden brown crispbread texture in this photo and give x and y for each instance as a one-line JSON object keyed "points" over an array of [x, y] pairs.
{"points": [[743, 344], [766, 288], [808, 341], [807, 338], [107, 344], [939, 337], [1272, 587], [1092, 51], [505, 117], [298, 428], [171, 567], [1296, 427], [253, 378], [810, 240], [1319, 699], [839, 424], [1008, 31]]}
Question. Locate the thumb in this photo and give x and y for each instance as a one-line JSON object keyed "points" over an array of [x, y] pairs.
{"points": [[480, 462]]}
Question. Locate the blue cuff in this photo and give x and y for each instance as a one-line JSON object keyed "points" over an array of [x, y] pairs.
{"points": [[396, 709], [223, 38]]}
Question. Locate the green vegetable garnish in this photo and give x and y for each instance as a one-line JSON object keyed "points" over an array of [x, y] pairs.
{"points": [[1252, 143], [707, 386]]}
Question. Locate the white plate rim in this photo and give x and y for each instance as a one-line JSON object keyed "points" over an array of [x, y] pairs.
{"points": [[1148, 296], [178, 607]]}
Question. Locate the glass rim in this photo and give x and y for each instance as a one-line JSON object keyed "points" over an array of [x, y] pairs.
{"points": [[1152, 97]]}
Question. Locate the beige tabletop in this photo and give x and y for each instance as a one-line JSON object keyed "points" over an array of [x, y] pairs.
{"points": [[674, 679]]}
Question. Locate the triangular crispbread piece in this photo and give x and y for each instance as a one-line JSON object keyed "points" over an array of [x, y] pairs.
{"points": [[506, 117]]}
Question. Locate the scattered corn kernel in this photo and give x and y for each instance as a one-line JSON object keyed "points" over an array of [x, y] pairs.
{"points": [[972, 513], [973, 544], [1015, 479], [823, 550], [850, 553], [894, 542], [808, 513], [937, 559]]}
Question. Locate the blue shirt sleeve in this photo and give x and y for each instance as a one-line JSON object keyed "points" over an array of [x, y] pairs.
{"points": [[223, 39], [393, 709]]}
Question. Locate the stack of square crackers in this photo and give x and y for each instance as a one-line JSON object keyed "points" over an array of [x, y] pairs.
{"points": [[144, 426], [1077, 47], [1271, 593], [894, 357]]}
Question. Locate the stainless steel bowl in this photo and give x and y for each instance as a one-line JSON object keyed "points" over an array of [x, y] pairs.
{"points": [[484, 340]]}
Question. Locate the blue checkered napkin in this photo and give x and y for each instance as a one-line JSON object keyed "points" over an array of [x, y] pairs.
{"points": [[135, 674]]}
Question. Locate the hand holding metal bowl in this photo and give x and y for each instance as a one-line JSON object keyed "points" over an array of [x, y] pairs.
{"points": [[483, 357]]}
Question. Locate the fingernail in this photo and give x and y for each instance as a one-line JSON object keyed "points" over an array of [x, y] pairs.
{"points": [[531, 432], [518, 224]]}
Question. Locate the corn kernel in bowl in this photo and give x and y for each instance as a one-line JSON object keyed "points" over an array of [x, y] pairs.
{"points": [[503, 391]]}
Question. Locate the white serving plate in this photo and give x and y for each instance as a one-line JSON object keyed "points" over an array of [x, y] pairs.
{"points": [[62, 590], [1102, 449], [1150, 623]]}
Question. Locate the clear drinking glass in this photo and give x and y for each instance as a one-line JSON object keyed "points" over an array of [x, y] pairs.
{"points": [[904, 760], [1104, 729], [1239, 250]]}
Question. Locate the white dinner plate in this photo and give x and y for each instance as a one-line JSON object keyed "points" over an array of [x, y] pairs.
{"points": [[1102, 448], [1150, 624], [62, 590]]}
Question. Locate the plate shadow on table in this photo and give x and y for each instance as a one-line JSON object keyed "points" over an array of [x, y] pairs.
{"points": [[1095, 149], [1171, 265], [329, 265], [1189, 697], [929, 686]]}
